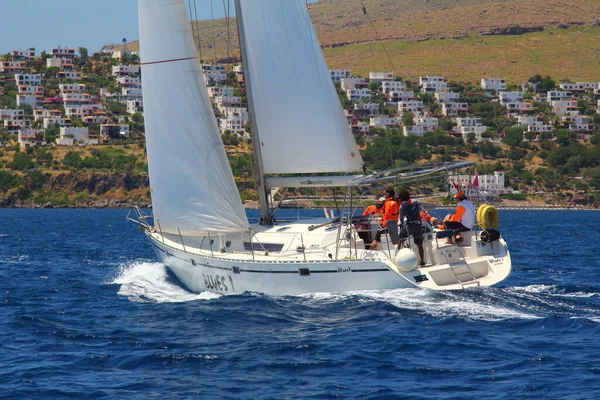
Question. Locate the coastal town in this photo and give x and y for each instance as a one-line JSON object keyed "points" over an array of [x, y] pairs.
{"points": [[65, 98]]}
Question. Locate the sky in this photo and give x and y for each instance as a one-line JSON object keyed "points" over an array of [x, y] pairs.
{"points": [[46, 24]]}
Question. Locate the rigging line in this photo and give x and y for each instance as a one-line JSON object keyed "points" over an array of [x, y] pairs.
{"points": [[364, 10], [192, 21], [226, 9], [197, 30], [212, 17]]}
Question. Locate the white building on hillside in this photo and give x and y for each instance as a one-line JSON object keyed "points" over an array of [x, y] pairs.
{"points": [[370, 109], [228, 101], [434, 87], [447, 97], [555, 95], [358, 94], [71, 87], [497, 84], [31, 89], [338, 74], [129, 81], [216, 91], [384, 122], [565, 107], [414, 106], [125, 70], [64, 52], [428, 123], [28, 100], [30, 137], [415, 130], [51, 121], [135, 106], [20, 55], [13, 67], [70, 136], [403, 95], [41, 114], [235, 120], [510, 97], [14, 120], [28, 79], [74, 75], [430, 78], [519, 107], [114, 132], [380, 76], [353, 83], [492, 184], [452, 109], [526, 120], [214, 74], [393, 86]]}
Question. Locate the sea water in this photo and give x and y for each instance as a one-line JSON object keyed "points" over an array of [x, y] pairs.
{"points": [[87, 312]]}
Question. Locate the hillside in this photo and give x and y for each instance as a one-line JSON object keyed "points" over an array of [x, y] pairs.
{"points": [[510, 38]]}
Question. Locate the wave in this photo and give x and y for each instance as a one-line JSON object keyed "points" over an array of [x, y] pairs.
{"points": [[151, 282], [440, 305], [145, 281]]}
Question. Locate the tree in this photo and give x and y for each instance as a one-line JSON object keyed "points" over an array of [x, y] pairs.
{"points": [[72, 159], [83, 53], [513, 136], [408, 119], [51, 72], [471, 137], [21, 161]]}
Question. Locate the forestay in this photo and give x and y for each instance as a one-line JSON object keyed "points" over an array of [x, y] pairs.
{"points": [[193, 190], [300, 122]]}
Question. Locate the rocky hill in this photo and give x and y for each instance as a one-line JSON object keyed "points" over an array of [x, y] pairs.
{"points": [[411, 37]]}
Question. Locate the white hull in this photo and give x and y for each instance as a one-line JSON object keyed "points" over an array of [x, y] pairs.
{"points": [[292, 270]]}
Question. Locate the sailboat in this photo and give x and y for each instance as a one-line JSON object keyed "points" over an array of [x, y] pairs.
{"points": [[198, 227]]}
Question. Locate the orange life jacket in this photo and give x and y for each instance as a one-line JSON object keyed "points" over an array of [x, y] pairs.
{"points": [[372, 210], [391, 210]]}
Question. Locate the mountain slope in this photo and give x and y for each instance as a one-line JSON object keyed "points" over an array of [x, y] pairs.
{"points": [[396, 27]]}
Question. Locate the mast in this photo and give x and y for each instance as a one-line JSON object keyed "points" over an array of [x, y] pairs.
{"points": [[259, 177]]}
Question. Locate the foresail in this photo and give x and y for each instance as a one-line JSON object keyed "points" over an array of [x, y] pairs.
{"points": [[193, 190], [300, 122]]}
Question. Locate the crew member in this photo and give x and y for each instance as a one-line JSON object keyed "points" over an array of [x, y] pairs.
{"points": [[368, 226], [464, 217], [410, 217], [374, 209], [391, 210]]}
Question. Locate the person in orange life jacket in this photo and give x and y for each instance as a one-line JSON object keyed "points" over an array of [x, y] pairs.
{"points": [[410, 217], [464, 217], [391, 210], [374, 209], [366, 228]]}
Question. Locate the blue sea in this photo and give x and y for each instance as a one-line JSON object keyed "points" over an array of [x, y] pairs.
{"points": [[88, 313]]}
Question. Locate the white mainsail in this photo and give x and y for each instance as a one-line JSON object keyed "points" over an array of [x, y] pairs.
{"points": [[300, 123], [193, 190]]}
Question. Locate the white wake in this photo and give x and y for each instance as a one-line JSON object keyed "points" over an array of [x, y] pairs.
{"points": [[149, 282], [437, 305]]}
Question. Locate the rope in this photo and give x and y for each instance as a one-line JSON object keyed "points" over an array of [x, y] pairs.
{"points": [[195, 27], [366, 14], [212, 17], [227, 9]]}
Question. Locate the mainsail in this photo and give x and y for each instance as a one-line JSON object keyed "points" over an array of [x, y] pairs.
{"points": [[193, 190], [300, 123]]}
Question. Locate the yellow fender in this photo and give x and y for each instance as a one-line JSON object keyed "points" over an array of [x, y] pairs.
{"points": [[488, 217]]}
